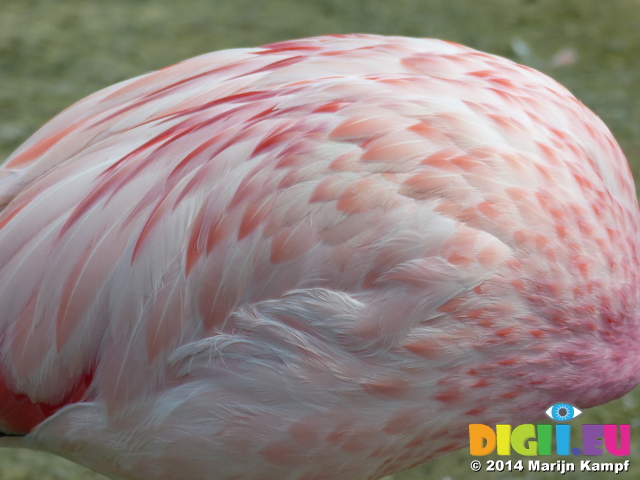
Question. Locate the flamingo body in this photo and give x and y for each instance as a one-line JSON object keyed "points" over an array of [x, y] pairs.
{"points": [[321, 258]]}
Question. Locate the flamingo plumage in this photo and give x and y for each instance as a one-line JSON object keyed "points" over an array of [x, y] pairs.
{"points": [[321, 258]]}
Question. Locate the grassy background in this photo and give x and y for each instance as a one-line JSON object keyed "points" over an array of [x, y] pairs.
{"points": [[54, 53]]}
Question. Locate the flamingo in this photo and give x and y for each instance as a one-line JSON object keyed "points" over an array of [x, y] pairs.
{"points": [[320, 258]]}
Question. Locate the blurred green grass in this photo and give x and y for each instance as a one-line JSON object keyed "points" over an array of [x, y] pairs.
{"points": [[54, 53]]}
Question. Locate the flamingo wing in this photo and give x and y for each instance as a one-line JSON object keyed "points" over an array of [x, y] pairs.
{"points": [[317, 255]]}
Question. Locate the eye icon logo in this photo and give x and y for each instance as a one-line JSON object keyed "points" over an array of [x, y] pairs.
{"points": [[563, 412]]}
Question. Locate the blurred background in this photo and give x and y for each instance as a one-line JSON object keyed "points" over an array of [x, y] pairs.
{"points": [[55, 53]]}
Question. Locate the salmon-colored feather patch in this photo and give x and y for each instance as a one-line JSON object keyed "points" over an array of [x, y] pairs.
{"points": [[280, 136], [76, 298], [254, 215], [425, 185], [195, 245], [331, 107], [285, 453], [490, 255], [487, 209], [448, 447], [30, 339], [159, 211], [10, 212], [393, 388], [355, 128], [364, 195], [452, 305], [386, 150], [221, 229], [475, 411], [505, 332], [110, 182], [426, 130], [402, 422], [328, 189], [285, 62], [481, 383], [450, 395], [347, 162], [306, 430], [292, 242], [425, 347], [511, 395], [35, 151]]}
